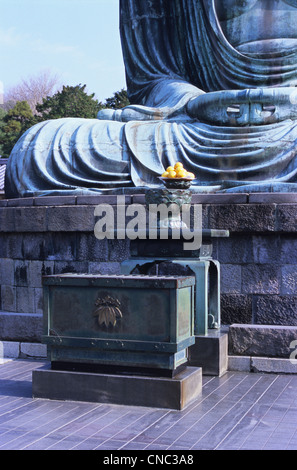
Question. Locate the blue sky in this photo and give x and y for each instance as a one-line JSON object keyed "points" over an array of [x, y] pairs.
{"points": [[76, 39]]}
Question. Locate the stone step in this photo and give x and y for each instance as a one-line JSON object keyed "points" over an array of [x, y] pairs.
{"points": [[272, 365], [20, 350], [275, 341]]}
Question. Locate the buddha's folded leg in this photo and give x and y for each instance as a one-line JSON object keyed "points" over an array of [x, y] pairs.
{"points": [[75, 156], [67, 155]]}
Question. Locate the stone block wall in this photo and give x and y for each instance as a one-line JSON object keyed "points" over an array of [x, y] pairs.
{"points": [[53, 235], [38, 239], [258, 261]]}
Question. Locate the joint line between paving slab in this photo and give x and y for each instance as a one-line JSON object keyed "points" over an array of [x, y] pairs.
{"points": [[262, 394], [208, 411], [257, 424], [281, 419], [185, 414], [61, 427]]}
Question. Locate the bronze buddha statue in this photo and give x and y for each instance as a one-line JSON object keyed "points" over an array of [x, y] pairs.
{"points": [[211, 84]]}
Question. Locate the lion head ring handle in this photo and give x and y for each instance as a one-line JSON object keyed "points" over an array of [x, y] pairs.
{"points": [[259, 106]]}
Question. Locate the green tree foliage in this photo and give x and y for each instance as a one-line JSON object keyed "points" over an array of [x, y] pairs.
{"points": [[15, 122], [71, 101], [2, 113], [118, 100], [21, 113], [2, 124]]}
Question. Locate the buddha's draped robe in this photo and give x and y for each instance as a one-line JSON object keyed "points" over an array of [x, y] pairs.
{"points": [[174, 51]]}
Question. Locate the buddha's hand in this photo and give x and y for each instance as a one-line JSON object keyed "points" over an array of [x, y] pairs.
{"points": [[258, 106], [134, 113]]}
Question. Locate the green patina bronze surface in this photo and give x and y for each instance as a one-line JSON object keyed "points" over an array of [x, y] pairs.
{"points": [[137, 321]]}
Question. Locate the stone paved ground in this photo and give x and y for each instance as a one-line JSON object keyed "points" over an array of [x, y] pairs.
{"points": [[236, 411]]}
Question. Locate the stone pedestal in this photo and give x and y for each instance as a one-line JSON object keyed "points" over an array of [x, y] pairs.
{"points": [[54, 235], [159, 392], [210, 352]]}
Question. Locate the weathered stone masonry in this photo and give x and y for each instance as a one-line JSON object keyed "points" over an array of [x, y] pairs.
{"points": [[52, 235]]}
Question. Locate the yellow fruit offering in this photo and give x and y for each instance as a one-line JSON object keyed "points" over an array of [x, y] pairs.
{"points": [[181, 173], [178, 172], [178, 165]]}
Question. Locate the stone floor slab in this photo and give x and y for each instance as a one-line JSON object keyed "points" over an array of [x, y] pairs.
{"points": [[239, 410]]}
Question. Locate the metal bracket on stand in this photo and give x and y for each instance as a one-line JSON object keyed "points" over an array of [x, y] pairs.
{"points": [[207, 290]]}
